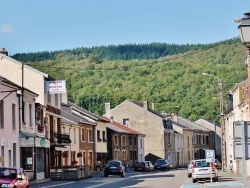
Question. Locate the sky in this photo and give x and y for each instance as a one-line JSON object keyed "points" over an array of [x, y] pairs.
{"points": [[51, 25]]}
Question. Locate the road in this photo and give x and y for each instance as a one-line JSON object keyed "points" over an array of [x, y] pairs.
{"points": [[173, 178]]}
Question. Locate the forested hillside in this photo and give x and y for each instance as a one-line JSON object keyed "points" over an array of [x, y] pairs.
{"points": [[170, 76]]}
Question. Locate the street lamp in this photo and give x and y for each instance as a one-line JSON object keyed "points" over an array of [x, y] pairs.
{"points": [[244, 29], [222, 123]]}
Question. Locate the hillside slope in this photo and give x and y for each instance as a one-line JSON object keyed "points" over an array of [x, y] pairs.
{"points": [[172, 83]]}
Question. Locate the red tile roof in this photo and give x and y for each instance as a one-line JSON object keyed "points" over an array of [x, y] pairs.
{"points": [[121, 126]]}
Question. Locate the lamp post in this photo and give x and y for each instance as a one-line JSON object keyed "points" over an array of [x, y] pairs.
{"points": [[244, 30], [222, 123]]}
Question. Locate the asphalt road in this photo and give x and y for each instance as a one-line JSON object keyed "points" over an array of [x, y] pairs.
{"points": [[174, 178]]}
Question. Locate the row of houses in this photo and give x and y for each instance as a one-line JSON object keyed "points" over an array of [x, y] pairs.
{"points": [[40, 131]]}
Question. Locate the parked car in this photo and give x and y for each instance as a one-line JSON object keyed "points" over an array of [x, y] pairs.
{"points": [[203, 170], [217, 164], [145, 166], [13, 177], [162, 164], [114, 167]]}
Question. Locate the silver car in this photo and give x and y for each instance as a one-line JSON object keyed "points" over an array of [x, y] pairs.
{"points": [[203, 170]]}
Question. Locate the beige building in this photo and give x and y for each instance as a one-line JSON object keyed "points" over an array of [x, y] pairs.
{"points": [[143, 119]]}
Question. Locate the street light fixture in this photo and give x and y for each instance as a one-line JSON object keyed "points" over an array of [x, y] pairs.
{"points": [[223, 135]]}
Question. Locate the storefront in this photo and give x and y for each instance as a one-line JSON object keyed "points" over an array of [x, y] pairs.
{"points": [[34, 156]]}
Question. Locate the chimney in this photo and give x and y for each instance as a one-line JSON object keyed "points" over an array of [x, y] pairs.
{"points": [[3, 51], [145, 105], [107, 109], [153, 106]]}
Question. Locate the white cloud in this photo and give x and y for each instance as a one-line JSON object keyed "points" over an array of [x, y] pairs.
{"points": [[7, 29]]}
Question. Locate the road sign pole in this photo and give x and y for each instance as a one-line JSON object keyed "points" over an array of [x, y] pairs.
{"points": [[244, 168]]}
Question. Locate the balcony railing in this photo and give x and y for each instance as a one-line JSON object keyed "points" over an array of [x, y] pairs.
{"points": [[62, 138]]}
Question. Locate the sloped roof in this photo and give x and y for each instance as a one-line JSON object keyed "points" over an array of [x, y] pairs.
{"points": [[86, 112], [6, 81], [119, 127], [149, 109], [26, 66], [189, 124], [69, 116]]}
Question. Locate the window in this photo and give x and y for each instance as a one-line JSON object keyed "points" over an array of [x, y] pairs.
{"points": [[14, 154], [2, 114], [116, 139], [104, 136], [135, 139], [30, 114], [56, 99], [124, 155], [141, 143], [2, 154], [83, 135], [23, 114], [99, 136], [84, 157], [90, 135], [27, 158], [168, 139], [188, 155], [13, 117], [130, 140], [207, 139], [74, 131], [49, 98], [188, 140], [125, 122], [124, 140]]}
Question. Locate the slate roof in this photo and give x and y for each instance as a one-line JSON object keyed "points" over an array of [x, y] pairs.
{"points": [[189, 124], [149, 109], [86, 112], [119, 127], [68, 116]]}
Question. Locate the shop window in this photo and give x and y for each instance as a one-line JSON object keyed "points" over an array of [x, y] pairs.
{"points": [[27, 158]]}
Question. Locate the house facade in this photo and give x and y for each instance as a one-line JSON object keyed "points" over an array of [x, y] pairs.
{"points": [[238, 110], [217, 134], [139, 117], [48, 110], [9, 123], [124, 144], [84, 135], [196, 140]]}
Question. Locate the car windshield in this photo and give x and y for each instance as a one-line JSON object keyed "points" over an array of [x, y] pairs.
{"points": [[8, 173], [114, 164], [160, 161], [201, 164]]}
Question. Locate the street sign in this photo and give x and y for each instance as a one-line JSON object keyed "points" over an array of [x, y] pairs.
{"points": [[210, 156]]}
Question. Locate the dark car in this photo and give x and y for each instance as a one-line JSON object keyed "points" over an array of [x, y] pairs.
{"points": [[162, 164], [114, 167], [13, 177], [145, 166]]}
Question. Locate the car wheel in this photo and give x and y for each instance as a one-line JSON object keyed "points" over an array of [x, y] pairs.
{"points": [[122, 174], [189, 175], [216, 179], [106, 175], [194, 180]]}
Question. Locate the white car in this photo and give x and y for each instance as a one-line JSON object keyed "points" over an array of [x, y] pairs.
{"points": [[203, 170]]}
